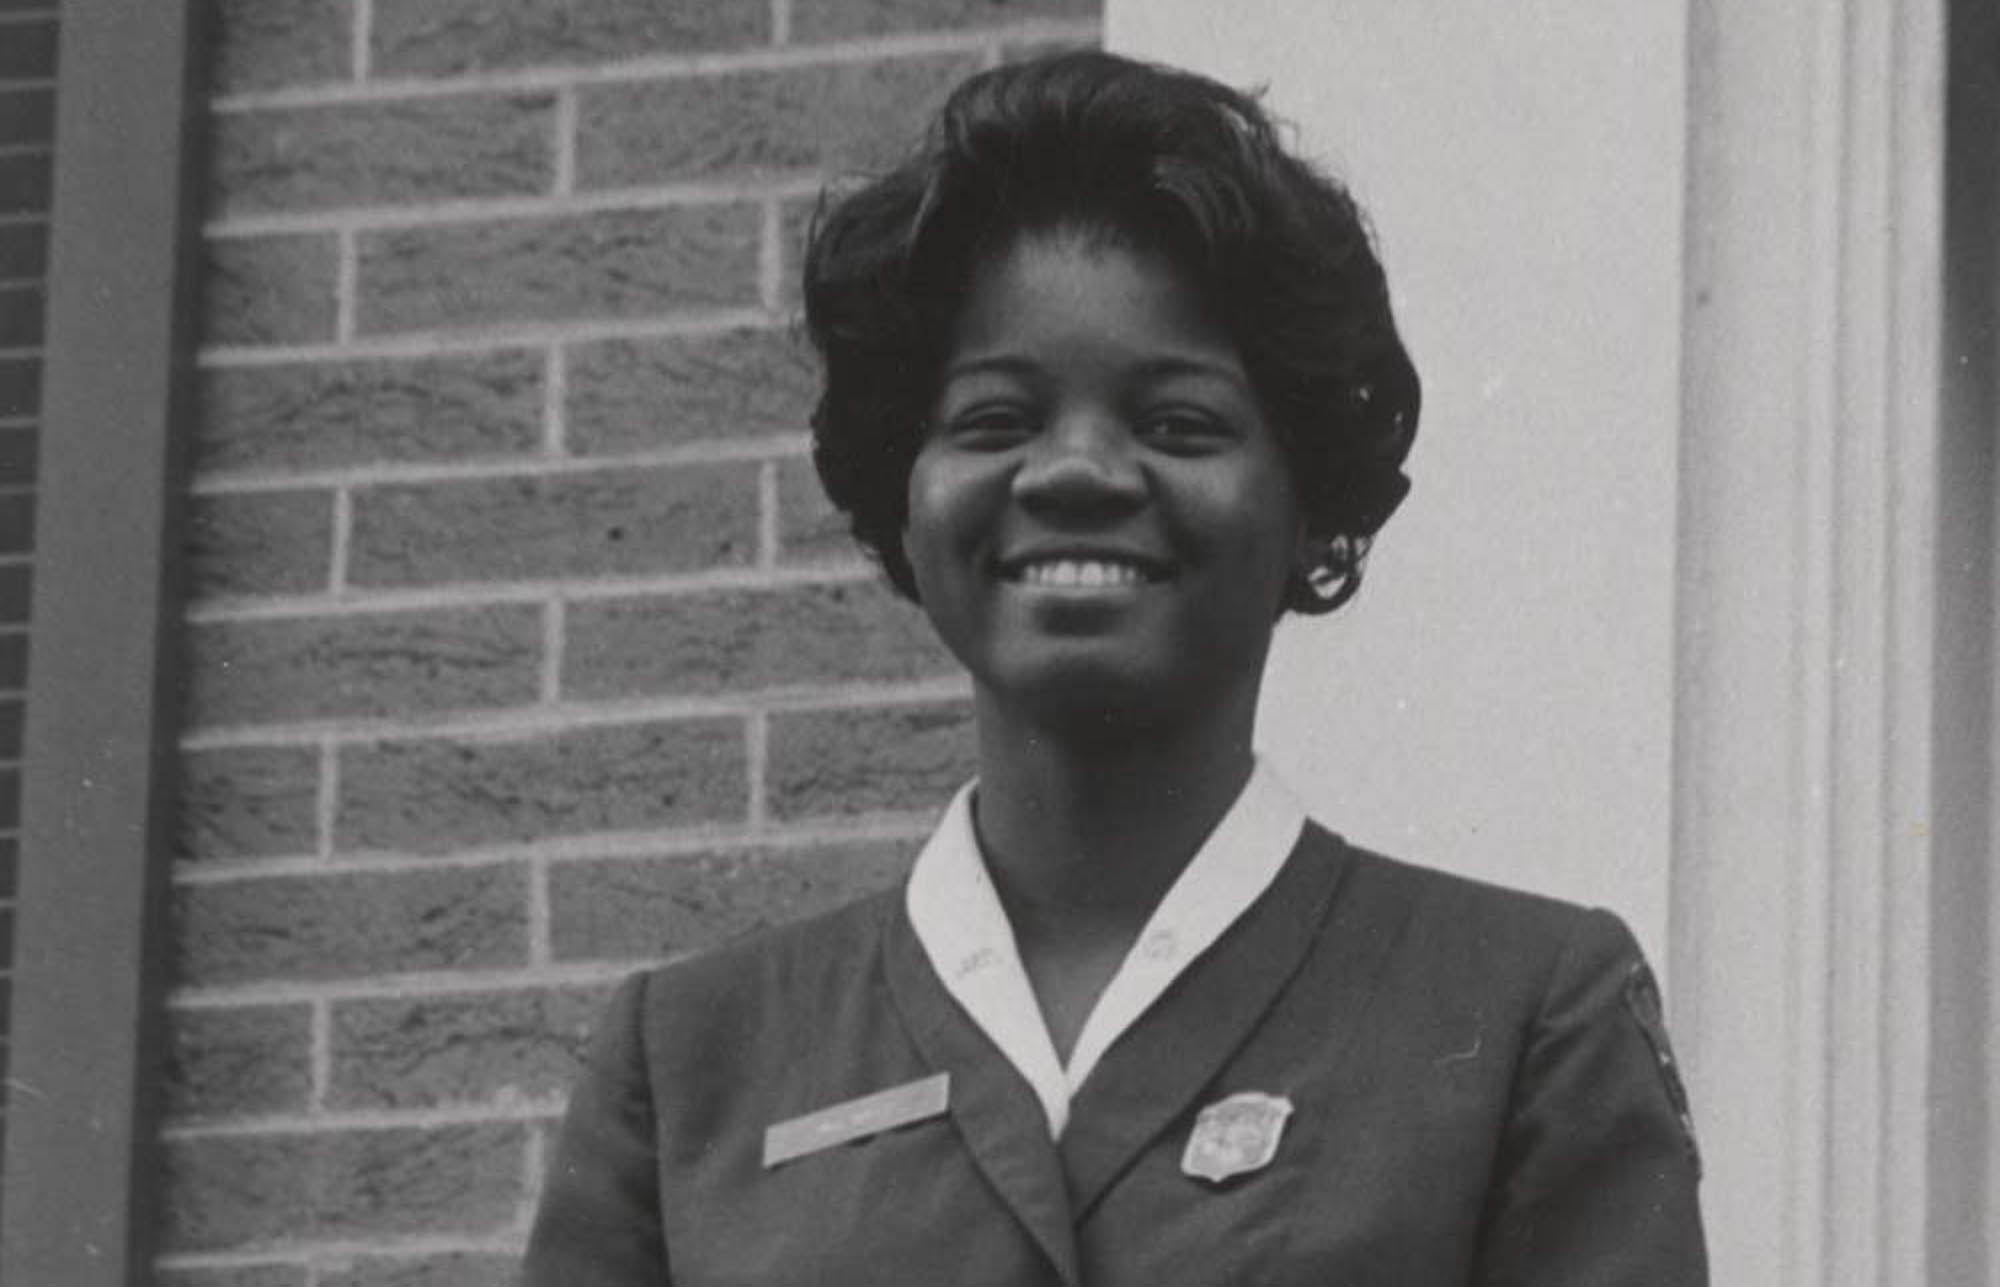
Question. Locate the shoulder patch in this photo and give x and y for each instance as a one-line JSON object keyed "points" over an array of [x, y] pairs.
{"points": [[1642, 1000]]}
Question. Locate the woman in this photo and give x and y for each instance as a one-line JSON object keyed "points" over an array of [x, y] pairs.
{"points": [[1111, 385]]}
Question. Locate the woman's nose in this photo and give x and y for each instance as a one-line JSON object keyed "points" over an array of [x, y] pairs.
{"points": [[1084, 466]]}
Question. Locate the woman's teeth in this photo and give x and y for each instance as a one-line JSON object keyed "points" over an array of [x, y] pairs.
{"points": [[1086, 574]]}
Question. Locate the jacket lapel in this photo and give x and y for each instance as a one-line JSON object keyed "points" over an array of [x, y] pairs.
{"points": [[1154, 1071], [993, 1107]]}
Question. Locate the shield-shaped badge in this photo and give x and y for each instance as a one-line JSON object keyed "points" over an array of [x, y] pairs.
{"points": [[1236, 1135]]}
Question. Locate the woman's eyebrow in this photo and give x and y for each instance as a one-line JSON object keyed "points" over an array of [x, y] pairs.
{"points": [[998, 364], [1150, 369], [1161, 367]]}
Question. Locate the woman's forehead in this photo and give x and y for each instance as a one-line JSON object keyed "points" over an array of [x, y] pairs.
{"points": [[1045, 295]]}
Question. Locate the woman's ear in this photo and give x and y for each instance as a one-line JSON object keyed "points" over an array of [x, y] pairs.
{"points": [[1326, 571]]}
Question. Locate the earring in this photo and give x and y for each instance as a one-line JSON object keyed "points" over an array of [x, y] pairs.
{"points": [[1331, 575]]}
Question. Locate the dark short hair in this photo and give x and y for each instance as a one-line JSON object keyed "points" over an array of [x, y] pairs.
{"points": [[1147, 156]]}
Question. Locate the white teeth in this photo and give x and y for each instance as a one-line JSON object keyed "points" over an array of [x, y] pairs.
{"points": [[1089, 574]]}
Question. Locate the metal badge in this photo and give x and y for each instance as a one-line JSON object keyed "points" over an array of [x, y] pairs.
{"points": [[1235, 1136], [885, 1110]]}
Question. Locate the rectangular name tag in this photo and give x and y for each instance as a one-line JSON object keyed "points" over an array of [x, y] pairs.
{"points": [[884, 1110]]}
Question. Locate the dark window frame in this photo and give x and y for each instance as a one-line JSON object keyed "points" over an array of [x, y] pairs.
{"points": [[82, 1124]]}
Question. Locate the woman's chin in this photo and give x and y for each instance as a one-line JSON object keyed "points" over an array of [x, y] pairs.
{"points": [[1084, 700]]}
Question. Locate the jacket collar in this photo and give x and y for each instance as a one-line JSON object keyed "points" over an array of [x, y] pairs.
{"points": [[1148, 1078]]}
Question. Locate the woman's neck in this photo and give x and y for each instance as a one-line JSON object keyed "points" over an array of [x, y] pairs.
{"points": [[1097, 832]]}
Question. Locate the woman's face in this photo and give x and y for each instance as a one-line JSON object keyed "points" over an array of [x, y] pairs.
{"points": [[1101, 522]]}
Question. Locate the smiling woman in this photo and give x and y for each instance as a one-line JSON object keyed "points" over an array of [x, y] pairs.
{"points": [[1101, 524], [1111, 384]]}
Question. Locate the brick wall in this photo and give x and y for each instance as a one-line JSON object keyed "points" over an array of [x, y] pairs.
{"points": [[522, 647], [27, 147]]}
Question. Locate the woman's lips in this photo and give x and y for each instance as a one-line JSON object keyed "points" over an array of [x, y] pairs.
{"points": [[1081, 574]]}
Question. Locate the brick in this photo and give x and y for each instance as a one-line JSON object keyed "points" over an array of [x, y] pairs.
{"points": [[17, 592], [27, 116], [24, 250], [840, 116], [269, 290], [21, 316], [20, 457], [269, 44], [747, 640], [612, 264], [29, 50], [368, 664], [607, 522], [836, 19], [636, 909], [330, 415], [430, 795], [247, 802], [238, 1062], [441, 37], [248, 543], [263, 1275], [413, 150], [224, 1192], [448, 1269], [20, 386], [17, 523], [347, 926], [638, 395], [506, 1047], [870, 760], [810, 529], [13, 659]]}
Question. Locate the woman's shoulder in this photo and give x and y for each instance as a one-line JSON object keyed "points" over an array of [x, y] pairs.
{"points": [[804, 955], [1452, 919]]}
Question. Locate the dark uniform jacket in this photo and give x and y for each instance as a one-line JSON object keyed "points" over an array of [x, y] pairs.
{"points": [[1482, 1094]]}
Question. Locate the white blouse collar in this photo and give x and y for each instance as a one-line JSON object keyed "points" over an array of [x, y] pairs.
{"points": [[964, 931]]}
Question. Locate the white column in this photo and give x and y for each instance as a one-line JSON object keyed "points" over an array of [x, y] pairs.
{"points": [[1805, 631]]}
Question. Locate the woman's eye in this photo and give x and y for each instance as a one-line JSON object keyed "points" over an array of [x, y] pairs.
{"points": [[1184, 430], [990, 427]]}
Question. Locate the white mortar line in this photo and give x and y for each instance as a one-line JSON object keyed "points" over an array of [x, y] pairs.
{"points": [[346, 303], [555, 629], [343, 534], [392, 987], [506, 1113], [756, 749], [322, 1055], [767, 515], [627, 846], [512, 335], [441, 598], [565, 142], [772, 57], [527, 723], [541, 952], [364, 32], [638, 199], [555, 397], [553, 463], [781, 22], [770, 256], [327, 805], [291, 1253], [534, 1165], [289, 1256]]}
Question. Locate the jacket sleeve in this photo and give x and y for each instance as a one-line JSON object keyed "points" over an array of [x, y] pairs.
{"points": [[1596, 1177], [599, 1220]]}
